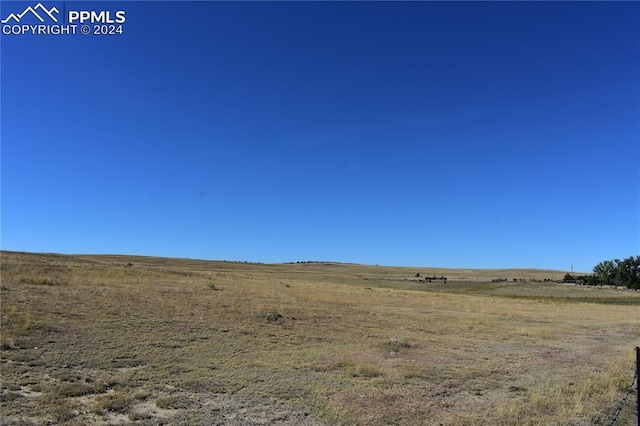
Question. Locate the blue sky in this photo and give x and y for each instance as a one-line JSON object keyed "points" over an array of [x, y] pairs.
{"points": [[452, 134]]}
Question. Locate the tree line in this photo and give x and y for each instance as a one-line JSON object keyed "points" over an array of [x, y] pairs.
{"points": [[615, 272]]}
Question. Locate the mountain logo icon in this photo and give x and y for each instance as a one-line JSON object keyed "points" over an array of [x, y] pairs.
{"points": [[38, 11]]}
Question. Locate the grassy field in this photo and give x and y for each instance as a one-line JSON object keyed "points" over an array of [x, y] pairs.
{"points": [[141, 340]]}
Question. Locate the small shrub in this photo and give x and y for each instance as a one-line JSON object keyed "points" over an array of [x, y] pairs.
{"points": [[15, 324], [142, 394], [8, 396], [46, 281], [73, 389], [274, 317], [356, 370], [114, 402], [141, 416], [7, 342], [365, 370], [342, 365], [173, 402], [68, 375], [63, 411], [39, 280], [396, 345]]}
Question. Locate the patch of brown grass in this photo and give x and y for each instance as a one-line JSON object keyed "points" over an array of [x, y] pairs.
{"points": [[356, 344]]}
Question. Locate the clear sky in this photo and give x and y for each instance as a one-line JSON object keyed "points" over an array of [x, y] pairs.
{"points": [[452, 134]]}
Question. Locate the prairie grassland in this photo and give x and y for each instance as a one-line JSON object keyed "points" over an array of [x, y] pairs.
{"points": [[136, 340]]}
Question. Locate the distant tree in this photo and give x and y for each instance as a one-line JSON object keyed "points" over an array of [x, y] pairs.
{"points": [[418, 275], [568, 278], [617, 272], [605, 272], [628, 271]]}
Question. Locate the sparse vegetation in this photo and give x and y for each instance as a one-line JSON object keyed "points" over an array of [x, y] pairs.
{"points": [[274, 317], [364, 370], [73, 389], [173, 402], [359, 345], [396, 345], [114, 402]]}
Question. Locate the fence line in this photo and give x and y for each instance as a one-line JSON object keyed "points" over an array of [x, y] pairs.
{"points": [[637, 383]]}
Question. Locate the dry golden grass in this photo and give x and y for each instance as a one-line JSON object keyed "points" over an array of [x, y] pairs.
{"points": [[90, 339]]}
